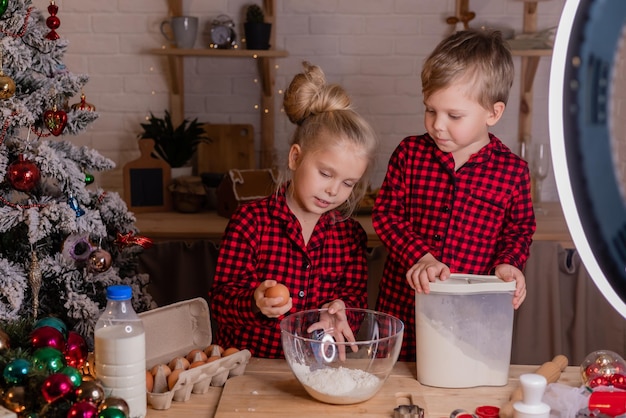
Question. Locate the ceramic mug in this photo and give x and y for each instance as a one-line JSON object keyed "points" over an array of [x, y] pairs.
{"points": [[184, 30]]}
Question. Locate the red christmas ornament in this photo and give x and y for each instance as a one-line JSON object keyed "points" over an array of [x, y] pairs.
{"points": [[55, 120], [53, 21], [83, 105], [83, 409], [618, 381], [128, 239], [23, 174], [56, 386], [47, 336], [76, 352]]}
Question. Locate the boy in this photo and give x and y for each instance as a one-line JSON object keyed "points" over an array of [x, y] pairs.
{"points": [[455, 199]]}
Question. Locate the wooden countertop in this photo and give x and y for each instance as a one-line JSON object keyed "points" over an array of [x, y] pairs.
{"points": [[268, 389], [161, 226]]}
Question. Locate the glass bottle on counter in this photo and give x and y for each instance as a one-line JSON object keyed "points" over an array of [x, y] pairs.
{"points": [[120, 351]]}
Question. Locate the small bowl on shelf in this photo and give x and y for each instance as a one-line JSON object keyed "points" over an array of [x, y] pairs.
{"points": [[342, 373]]}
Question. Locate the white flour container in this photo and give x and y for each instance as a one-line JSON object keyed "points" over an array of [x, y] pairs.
{"points": [[464, 329]]}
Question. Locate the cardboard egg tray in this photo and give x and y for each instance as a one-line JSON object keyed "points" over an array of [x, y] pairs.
{"points": [[173, 331]]}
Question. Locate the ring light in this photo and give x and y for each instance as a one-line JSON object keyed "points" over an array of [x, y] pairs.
{"points": [[580, 109]]}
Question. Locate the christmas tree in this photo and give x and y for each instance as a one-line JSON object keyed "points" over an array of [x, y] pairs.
{"points": [[63, 239]]}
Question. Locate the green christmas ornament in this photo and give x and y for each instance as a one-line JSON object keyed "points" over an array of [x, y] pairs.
{"points": [[111, 413], [89, 178], [49, 359], [16, 371], [74, 375], [3, 6]]}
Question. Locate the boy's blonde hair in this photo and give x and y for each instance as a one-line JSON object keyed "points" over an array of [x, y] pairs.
{"points": [[323, 112], [480, 58]]}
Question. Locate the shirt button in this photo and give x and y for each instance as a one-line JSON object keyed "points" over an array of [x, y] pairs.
{"points": [[437, 237], [301, 293], [307, 266], [445, 209]]}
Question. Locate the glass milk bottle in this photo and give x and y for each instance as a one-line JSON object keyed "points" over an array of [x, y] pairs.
{"points": [[120, 350]]}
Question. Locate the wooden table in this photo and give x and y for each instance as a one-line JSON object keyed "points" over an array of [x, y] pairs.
{"points": [[270, 390], [161, 226]]}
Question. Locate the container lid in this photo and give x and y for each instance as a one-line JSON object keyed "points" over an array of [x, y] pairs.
{"points": [[460, 283], [119, 292]]}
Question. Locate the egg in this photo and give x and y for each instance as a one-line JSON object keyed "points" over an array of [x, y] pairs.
{"points": [[214, 350], [230, 351], [197, 364], [213, 358], [196, 355], [173, 378], [149, 381], [276, 291], [179, 363], [163, 368]]}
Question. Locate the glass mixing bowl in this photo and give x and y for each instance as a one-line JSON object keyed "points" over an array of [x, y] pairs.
{"points": [[342, 372]]}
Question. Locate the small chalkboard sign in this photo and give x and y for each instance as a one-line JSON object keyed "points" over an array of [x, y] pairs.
{"points": [[146, 181]]}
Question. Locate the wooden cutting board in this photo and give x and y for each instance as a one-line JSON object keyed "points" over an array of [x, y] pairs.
{"points": [[280, 395]]}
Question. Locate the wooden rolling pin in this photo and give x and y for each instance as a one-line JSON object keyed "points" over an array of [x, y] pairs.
{"points": [[551, 370]]}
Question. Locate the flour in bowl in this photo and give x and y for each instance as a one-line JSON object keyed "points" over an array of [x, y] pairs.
{"points": [[338, 385]]}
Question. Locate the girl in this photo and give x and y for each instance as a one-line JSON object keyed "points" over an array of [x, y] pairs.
{"points": [[301, 236]]}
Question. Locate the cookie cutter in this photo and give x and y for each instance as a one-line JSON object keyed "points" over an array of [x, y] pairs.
{"points": [[408, 411]]}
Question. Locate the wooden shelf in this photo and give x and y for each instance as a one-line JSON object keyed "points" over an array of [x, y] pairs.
{"points": [[265, 65]]}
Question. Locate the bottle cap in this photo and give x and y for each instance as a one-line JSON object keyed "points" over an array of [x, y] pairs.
{"points": [[119, 292]]}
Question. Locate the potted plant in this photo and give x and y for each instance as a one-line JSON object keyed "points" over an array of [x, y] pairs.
{"points": [[257, 31], [175, 145]]}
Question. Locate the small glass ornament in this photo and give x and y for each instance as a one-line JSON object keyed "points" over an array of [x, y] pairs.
{"points": [[91, 391], [5, 341], [99, 261], [601, 367], [83, 409], [48, 359], [73, 202], [23, 174], [56, 386], [83, 105], [76, 247], [55, 120], [14, 398], [53, 22], [74, 374], [16, 371], [115, 408], [54, 322], [89, 178], [47, 337], [77, 351]]}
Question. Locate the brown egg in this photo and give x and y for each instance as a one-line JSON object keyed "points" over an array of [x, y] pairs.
{"points": [[196, 355], [163, 367], [276, 291], [149, 381], [179, 363], [231, 350], [173, 378], [197, 364], [213, 358], [214, 350]]}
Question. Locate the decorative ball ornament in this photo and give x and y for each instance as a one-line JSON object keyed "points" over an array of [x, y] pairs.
{"points": [[90, 391], [99, 261], [5, 341], [56, 386], [83, 105], [77, 247], [77, 351], [14, 398], [48, 359], [53, 22], [113, 407], [7, 86], [23, 174], [16, 371], [74, 374], [47, 337], [83, 409], [3, 6], [603, 368], [89, 178], [54, 322], [55, 120]]}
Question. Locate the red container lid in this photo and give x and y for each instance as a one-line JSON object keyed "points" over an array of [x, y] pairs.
{"points": [[488, 411]]}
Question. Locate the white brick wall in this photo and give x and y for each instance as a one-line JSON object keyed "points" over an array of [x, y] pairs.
{"points": [[374, 48]]}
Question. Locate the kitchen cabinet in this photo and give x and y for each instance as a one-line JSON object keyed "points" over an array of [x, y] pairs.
{"points": [[266, 69]]}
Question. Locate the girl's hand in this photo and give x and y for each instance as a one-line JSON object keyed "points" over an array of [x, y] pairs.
{"points": [[507, 273], [267, 306], [335, 322], [426, 270]]}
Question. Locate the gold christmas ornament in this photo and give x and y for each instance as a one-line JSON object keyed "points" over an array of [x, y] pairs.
{"points": [[83, 105], [7, 85]]}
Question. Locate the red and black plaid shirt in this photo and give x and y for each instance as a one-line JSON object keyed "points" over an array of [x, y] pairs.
{"points": [[471, 219], [264, 241]]}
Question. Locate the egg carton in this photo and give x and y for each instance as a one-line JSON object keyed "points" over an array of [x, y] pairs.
{"points": [[173, 331]]}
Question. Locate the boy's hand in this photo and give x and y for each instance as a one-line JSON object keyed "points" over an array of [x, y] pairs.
{"points": [[267, 306], [426, 270], [507, 273]]}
